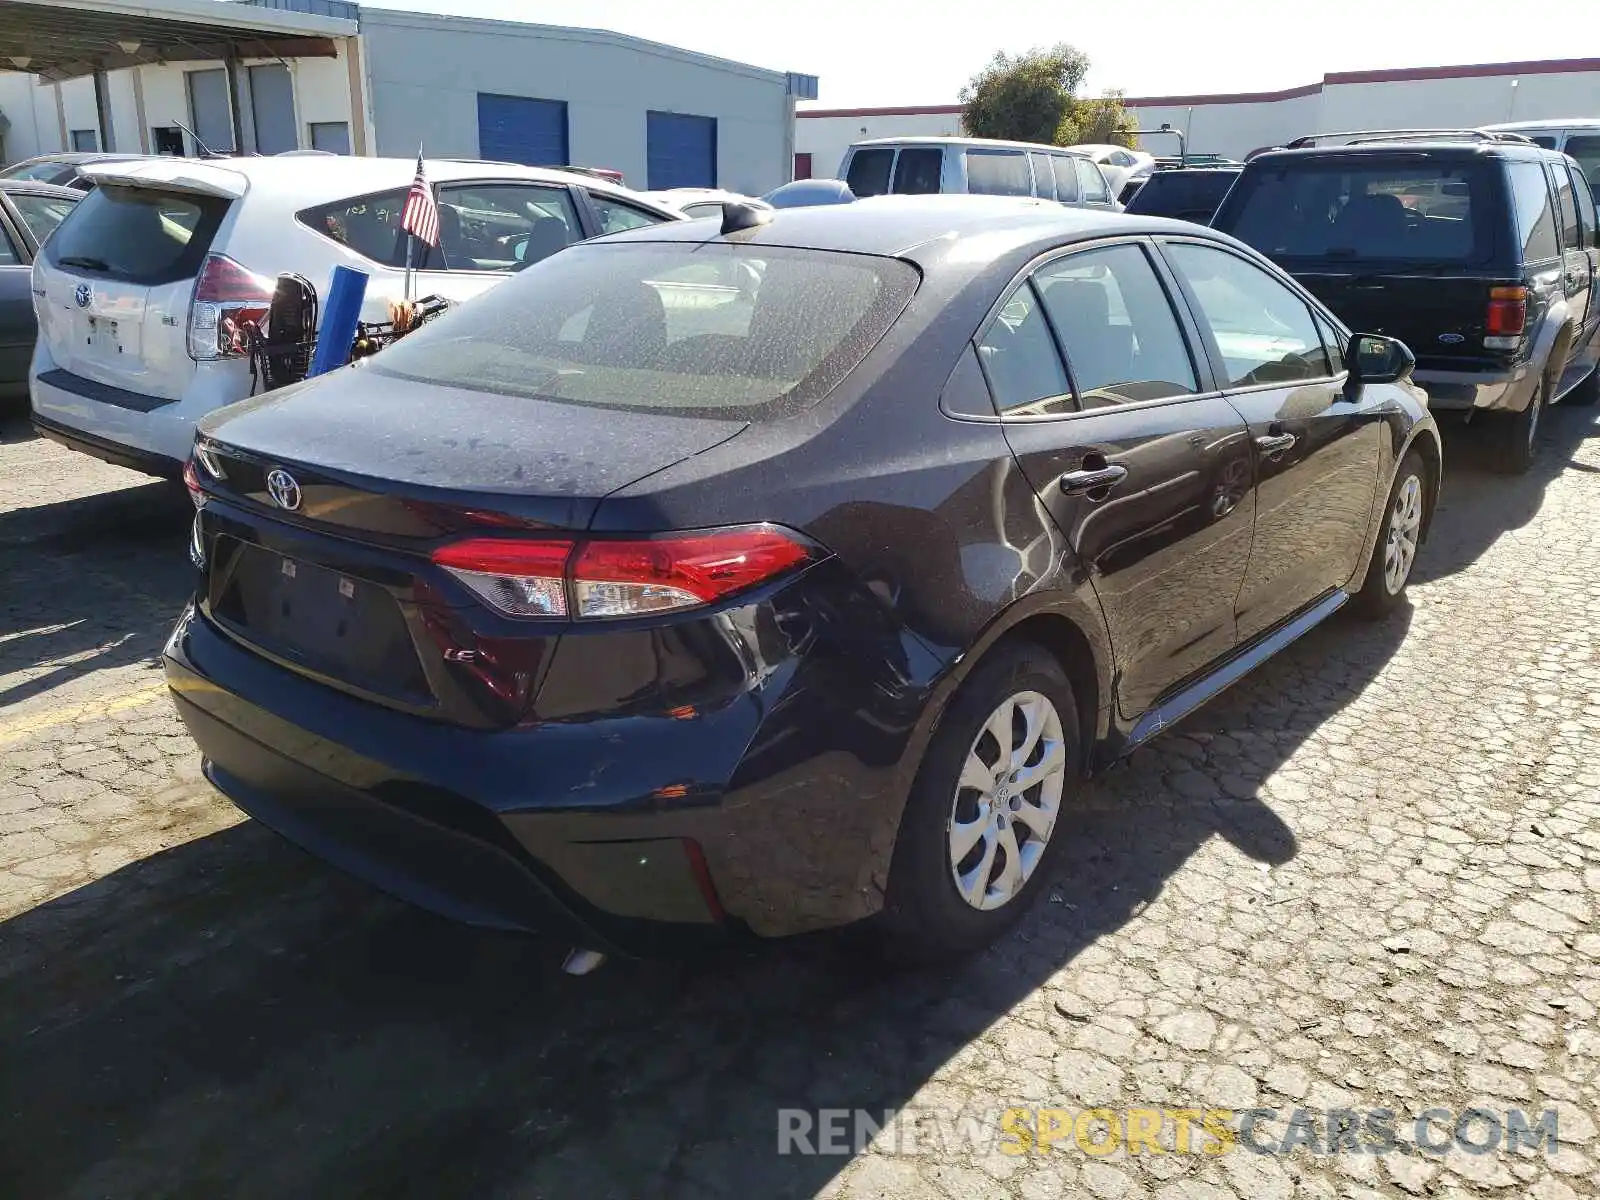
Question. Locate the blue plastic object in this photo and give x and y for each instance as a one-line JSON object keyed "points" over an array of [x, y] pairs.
{"points": [[340, 316]]}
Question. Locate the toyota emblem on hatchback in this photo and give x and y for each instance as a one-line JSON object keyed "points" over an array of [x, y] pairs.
{"points": [[82, 295], [283, 489]]}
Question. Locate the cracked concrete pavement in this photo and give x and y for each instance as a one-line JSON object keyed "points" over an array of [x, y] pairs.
{"points": [[1364, 878]]}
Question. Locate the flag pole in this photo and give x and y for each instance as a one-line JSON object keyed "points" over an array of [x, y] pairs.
{"points": [[411, 238]]}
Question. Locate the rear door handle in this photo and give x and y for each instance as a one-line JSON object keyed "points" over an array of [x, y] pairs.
{"points": [[1275, 443], [1076, 483]]}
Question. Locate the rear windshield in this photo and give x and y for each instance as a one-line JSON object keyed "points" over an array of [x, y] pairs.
{"points": [[138, 235], [1332, 210], [1190, 196], [691, 328]]}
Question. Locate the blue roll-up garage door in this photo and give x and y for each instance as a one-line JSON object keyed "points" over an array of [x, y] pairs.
{"points": [[682, 150], [521, 129]]}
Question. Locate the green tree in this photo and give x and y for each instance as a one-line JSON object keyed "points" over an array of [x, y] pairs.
{"points": [[1024, 97], [1098, 121]]}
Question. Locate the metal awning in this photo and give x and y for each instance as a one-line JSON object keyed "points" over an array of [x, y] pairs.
{"points": [[63, 39]]}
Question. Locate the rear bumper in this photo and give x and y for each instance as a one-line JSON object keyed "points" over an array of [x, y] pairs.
{"points": [[1499, 391], [131, 422], [635, 833], [122, 456]]}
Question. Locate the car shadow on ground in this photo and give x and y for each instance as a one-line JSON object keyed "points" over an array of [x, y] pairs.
{"points": [[1500, 502], [230, 1017], [90, 584]]}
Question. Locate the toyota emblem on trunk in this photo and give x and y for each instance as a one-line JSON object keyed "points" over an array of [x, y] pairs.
{"points": [[283, 489], [82, 295]]}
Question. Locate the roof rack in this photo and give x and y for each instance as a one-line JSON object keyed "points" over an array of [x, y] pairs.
{"points": [[1356, 137]]}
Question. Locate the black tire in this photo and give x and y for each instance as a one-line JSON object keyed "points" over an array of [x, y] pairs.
{"points": [[1379, 596], [925, 917], [1587, 392], [1514, 451]]}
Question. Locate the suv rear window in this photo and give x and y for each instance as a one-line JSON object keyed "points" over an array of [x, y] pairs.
{"points": [[690, 328], [1191, 195], [137, 235], [1357, 210]]}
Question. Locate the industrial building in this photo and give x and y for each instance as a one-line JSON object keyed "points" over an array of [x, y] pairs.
{"points": [[1234, 124], [269, 76]]}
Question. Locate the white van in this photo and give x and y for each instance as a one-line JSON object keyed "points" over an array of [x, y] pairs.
{"points": [[1576, 137], [914, 166]]}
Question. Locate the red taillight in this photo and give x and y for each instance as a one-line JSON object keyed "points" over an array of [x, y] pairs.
{"points": [[1507, 313], [601, 578], [623, 579], [191, 480], [226, 297]]}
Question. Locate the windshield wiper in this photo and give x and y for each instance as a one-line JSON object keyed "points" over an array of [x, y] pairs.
{"points": [[84, 261]]}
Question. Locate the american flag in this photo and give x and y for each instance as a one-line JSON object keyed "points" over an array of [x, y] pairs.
{"points": [[420, 218]]}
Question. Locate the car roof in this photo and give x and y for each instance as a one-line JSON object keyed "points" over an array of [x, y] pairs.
{"points": [[1433, 146], [70, 157], [32, 187], [1198, 169], [335, 176], [1551, 124], [976, 143], [986, 227]]}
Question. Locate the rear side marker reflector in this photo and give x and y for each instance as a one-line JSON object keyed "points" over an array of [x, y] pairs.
{"points": [[601, 578]]}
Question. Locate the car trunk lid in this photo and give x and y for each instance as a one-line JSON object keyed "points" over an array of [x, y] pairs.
{"points": [[339, 491]]}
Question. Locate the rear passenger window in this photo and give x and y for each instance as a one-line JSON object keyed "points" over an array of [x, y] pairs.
{"points": [[369, 225], [1044, 181], [1567, 210], [1117, 327], [1585, 198], [1536, 222], [509, 226], [998, 173], [1332, 343], [1091, 181], [1019, 357], [1066, 179], [8, 252], [1263, 330], [869, 171], [917, 172], [615, 216]]}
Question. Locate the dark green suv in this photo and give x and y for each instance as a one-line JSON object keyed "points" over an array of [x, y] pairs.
{"points": [[1476, 249]]}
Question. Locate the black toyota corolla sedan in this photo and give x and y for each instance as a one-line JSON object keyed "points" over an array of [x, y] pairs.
{"points": [[694, 582]]}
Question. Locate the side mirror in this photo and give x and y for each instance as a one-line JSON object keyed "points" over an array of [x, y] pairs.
{"points": [[1373, 358]]}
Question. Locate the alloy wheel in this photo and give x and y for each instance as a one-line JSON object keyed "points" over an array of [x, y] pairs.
{"points": [[1405, 528], [1007, 800]]}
